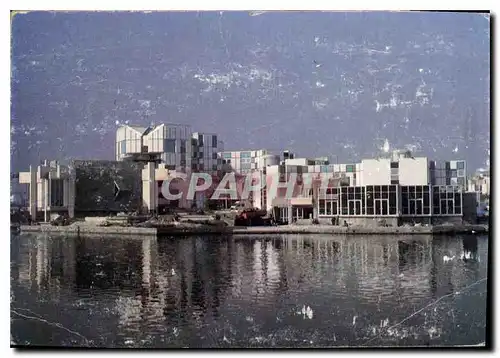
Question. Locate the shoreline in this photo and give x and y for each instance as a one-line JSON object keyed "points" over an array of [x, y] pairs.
{"points": [[87, 230]]}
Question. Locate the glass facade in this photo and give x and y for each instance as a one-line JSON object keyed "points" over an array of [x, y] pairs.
{"points": [[169, 146], [372, 200], [390, 200], [415, 200], [381, 200], [446, 200]]}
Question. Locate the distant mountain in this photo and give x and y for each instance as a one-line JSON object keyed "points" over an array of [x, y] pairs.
{"points": [[317, 83]]}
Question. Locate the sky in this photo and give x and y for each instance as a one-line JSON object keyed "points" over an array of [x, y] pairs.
{"points": [[320, 84]]}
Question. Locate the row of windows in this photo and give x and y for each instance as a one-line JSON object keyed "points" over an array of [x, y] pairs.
{"points": [[415, 200], [353, 207], [200, 141], [202, 155], [201, 167], [446, 201], [229, 155], [459, 164], [370, 200], [382, 200]]}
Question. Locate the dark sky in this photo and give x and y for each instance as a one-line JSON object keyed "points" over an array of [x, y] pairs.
{"points": [[315, 83]]}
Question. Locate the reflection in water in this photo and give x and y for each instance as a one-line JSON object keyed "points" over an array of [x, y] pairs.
{"points": [[212, 291]]}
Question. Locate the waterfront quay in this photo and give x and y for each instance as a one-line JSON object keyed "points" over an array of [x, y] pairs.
{"points": [[257, 230]]}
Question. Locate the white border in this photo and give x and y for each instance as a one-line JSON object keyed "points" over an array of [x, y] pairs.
{"points": [[187, 5]]}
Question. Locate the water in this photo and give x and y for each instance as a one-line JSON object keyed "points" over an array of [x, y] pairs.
{"points": [[281, 291]]}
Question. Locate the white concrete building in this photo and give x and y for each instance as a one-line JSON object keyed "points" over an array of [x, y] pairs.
{"points": [[250, 161], [169, 144], [50, 189], [401, 168], [480, 183]]}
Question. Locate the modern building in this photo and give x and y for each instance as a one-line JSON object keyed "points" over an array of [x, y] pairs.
{"points": [[205, 149], [301, 203], [396, 189], [171, 148], [246, 161], [166, 143], [205, 159], [83, 188], [453, 172], [253, 162], [480, 183]]}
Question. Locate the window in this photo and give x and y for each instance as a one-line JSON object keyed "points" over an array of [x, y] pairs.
{"points": [[418, 207], [394, 164], [453, 173], [393, 209], [357, 193], [226, 155], [426, 201], [183, 146], [321, 207], [200, 140], [123, 147], [328, 208], [214, 156], [449, 205], [458, 206], [369, 200], [169, 146], [214, 141], [350, 192], [350, 168], [461, 165], [246, 155]]}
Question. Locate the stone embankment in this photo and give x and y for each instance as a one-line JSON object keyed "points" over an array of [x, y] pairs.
{"points": [[184, 229]]}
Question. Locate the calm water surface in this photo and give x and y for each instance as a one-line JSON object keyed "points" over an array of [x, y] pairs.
{"points": [[281, 291]]}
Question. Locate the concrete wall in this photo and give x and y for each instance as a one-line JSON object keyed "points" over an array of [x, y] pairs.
{"points": [[440, 220], [95, 186], [361, 221], [376, 171], [414, 171]]}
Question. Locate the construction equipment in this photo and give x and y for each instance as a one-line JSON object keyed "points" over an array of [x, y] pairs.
{"points": [[252, 217]]}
